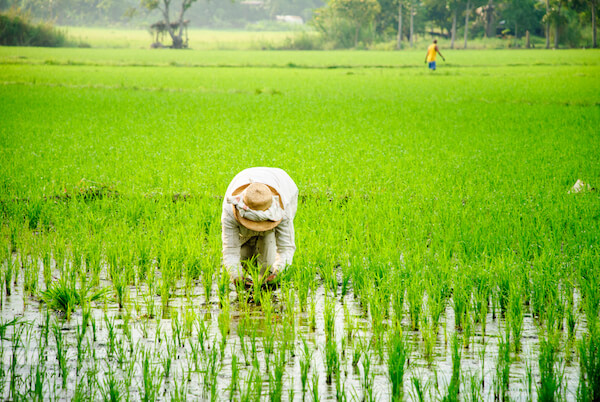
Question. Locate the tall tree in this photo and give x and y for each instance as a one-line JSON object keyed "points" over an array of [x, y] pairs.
{"points": [[360, 12], [400, 5], [520, 15], [467, 12], [594, 7], [591, 6], [175, 28], [453, 4]]}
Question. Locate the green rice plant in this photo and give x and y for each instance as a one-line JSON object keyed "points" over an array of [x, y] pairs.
{"points": [[419, 389], [9, 274], [429, 334], [223, 286], [398, 291], [252, 390], [47, 266], [589, 366], [415, 293], [276, 376], [482, 292], [502, 374], [349, 323], [38, 378], [65, 297], [189, 318], [268, 344], [398, 357], [378, 304], [314, 388], [149, 302], [112, 388], [30, 274], [461, 300], [151, 378], [207, 280], [529, 380], [211, 369], [357, 352], [201, 331], [515, 314], [475, 389], [329, 317], [61, 353], [312, 314], [454, 386], [289, 321], [176, 328], [16, 343], [80, 334], [112, 335], [368, 376], [166, 359], [305, 363], [551, 376], [224, 322], [332, 359], [179, 391], [235, 373]]}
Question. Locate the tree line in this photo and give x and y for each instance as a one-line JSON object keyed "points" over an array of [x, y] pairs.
{"points": [[344, 23]]}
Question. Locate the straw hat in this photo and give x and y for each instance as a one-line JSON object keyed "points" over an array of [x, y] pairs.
{"points": [[258, 197]]}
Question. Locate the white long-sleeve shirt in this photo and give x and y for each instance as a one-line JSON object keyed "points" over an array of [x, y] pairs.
{"points": [[234, 234]]}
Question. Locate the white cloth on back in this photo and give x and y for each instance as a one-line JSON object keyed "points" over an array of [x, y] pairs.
{"points": [[234, 235]]}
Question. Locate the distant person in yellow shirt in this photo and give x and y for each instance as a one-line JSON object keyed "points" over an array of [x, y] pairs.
{"points": [[432, 52]]}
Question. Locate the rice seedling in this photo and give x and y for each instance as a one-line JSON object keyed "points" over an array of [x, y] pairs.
{"points": [[368, 376], [276, 376], [61, 353], [419, 389], [415, 301], [305, 363], [151, 378], [252, 390], [179, 392], [454, 385], [112, 388], [515, 314], [65, 297], [502, 375], [550, 371], [233, 387], [314, 388], [397, 362]]}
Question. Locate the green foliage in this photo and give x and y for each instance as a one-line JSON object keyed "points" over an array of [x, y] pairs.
{"points": [[64, 296], [341, 21], [17, 29]]}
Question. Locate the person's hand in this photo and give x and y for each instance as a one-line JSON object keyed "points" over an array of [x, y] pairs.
{"points": [[271, 278], [246, 282]]}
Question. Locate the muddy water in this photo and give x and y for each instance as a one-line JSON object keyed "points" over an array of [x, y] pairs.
{"points": [[153, 335]]}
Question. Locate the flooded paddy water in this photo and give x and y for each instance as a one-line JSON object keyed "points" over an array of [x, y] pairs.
{"points": [[198, 349]]}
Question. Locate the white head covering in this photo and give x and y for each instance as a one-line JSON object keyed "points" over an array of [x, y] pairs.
{"points": [[274, 213]]}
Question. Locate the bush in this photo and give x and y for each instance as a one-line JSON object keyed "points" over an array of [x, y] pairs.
{"points": [[16, 29]]}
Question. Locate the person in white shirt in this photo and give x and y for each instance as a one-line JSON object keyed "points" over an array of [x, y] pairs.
{"points": [[258, 221]]}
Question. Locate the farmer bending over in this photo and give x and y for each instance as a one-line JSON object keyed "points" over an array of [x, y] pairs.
{"points": [[258, 221]]}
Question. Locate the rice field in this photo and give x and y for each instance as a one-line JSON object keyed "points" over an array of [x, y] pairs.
{"points": [[440, 252]]}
